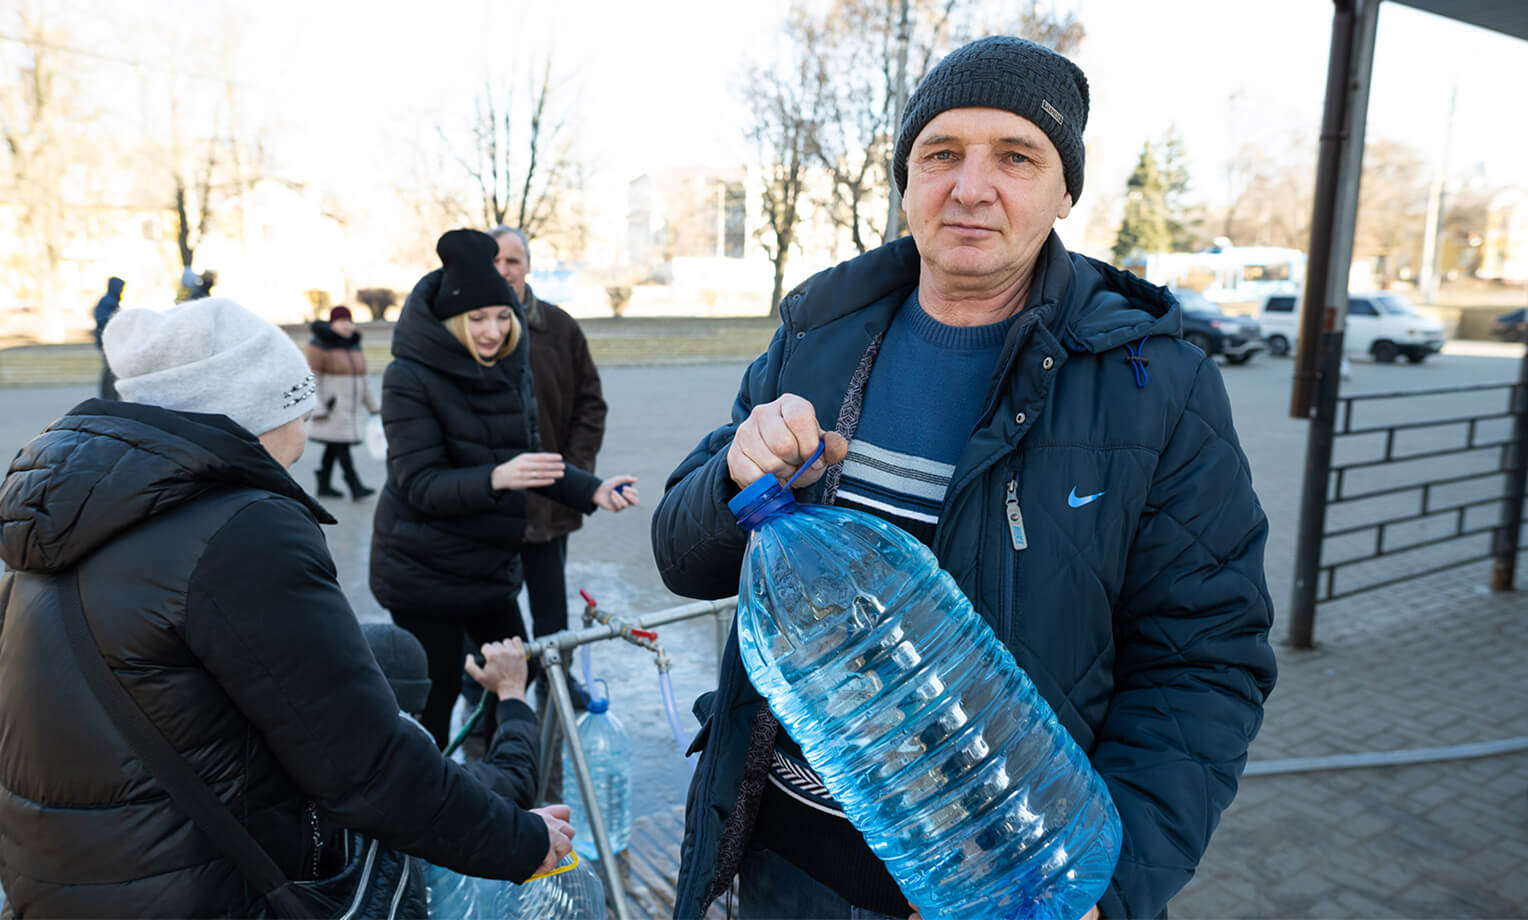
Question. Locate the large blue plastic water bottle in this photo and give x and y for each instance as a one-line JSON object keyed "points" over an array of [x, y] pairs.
{"points": [[607, 750], [920, 723]]}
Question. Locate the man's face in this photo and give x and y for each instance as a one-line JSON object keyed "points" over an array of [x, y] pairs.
{"points": [[984, 187], [513, 262]]}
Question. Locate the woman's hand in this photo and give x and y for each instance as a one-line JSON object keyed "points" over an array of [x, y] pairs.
{"points": [[527, 471], [559, 835], [616, 493]]}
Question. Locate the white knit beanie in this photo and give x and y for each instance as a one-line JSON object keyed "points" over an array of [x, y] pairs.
{"points": [[214, 356]]}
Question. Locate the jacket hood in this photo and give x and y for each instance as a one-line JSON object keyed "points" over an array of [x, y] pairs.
{"points": [[1091, 306], [324, 336], [420, 337], [108, 466]]}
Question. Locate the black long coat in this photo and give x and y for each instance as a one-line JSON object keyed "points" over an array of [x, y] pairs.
{"points": [[207, 582], [443, 541]]}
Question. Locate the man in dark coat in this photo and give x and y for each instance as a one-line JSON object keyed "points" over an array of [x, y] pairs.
{"points": [[209, 588], [1035, 418], [105, 309], [571, 411]]}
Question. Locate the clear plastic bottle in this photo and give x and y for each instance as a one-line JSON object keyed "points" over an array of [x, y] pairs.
{"points": [[452, 895], [607, 748], [574, 894], [935, 743]]}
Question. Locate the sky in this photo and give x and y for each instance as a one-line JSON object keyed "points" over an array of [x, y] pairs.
{"points": [[345, 91]]}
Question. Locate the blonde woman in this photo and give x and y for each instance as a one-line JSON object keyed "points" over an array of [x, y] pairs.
{"points": [[462, 452]]}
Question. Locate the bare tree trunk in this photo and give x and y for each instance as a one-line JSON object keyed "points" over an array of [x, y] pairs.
{"points": [[899, 94], [537, 114]]}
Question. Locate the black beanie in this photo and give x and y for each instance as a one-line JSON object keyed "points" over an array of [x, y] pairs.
{"points": [[468, 280], [403, 663], [1013, 74]]}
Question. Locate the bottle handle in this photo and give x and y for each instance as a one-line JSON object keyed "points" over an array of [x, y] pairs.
{"points": [[821, 444]]}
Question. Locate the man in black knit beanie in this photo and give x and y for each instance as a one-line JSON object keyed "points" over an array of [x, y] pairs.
{"points": [[1035, 418]]}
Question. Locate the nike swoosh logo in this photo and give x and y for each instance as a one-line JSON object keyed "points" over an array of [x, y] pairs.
{"points": [[1078, 502]]}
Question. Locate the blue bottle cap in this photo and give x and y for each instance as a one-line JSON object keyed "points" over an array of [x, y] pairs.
{"points": [[759, 490], [765, 497]]}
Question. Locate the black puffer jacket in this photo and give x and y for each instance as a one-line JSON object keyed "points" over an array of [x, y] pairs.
{"points": [[207, 581], [443, 540]]}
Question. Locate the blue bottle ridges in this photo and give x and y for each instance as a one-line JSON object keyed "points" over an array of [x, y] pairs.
{"points": [[920, 723], [607, 748]]}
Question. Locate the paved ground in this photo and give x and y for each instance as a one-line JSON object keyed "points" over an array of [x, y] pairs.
{"points": [[1432, 663]]}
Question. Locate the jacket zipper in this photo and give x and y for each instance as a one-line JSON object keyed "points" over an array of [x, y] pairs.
{"points": [[403, 884], [317, 839], [1014, 517]]}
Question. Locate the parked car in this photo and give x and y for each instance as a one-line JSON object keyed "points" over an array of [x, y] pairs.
{"points": [[1216, 332], [1381, 324], [1511, 327]]}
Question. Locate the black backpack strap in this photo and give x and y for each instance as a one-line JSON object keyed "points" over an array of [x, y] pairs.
{"points": [[173, 771]]}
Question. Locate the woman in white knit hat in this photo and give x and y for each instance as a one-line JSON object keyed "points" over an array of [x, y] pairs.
{"points": [[206, 585]]}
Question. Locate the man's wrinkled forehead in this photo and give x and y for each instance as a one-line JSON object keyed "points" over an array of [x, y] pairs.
{"points": [[984, 126]]}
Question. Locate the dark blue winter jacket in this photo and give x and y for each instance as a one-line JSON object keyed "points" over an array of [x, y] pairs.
{"points": [[108, 306], [1142, 616]]}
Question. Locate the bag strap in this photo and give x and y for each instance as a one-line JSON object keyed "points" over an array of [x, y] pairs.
{"points": [[173, 771]]}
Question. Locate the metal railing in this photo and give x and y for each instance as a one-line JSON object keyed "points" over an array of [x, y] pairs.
{"points": [[1421, 503], [554, 651]]}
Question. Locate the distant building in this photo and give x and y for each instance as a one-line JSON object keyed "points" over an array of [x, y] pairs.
{"points": [[684, 213], [1504, 241], [271, 245]]}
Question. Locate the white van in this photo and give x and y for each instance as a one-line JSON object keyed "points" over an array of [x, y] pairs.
{"points": [[1381, 324]]}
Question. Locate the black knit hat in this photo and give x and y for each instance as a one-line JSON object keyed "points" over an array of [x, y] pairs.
{"points": [[469, 280], [403, 663], [1013, 74]]}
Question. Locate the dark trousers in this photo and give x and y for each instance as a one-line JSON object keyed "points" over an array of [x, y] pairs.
{"points": [[546, 583], [442, 638], [341, 453], [108, 382], [546, 587]]}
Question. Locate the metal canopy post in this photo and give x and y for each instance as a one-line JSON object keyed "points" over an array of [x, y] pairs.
{"points": [[1325, 302], [551, 650], [615, 892], [1509, 537]]}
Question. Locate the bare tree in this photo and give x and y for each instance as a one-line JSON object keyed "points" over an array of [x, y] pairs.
{"points": [[39, 132], [867, 56], [1392, 205], [208, 163], [785, 102], [521, 166]]}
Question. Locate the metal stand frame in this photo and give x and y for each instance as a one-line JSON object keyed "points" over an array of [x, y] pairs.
{"points": [[553, 650]]}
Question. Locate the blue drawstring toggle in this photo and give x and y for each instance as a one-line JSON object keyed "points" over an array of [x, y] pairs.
{"points": [[1138, 363]]}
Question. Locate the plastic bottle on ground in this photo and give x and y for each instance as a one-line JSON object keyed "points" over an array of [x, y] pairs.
{"points": [[607, 748], [922, 726]]}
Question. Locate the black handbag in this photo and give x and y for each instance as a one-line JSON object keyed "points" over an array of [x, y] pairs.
{"points": [[376, 882]]}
